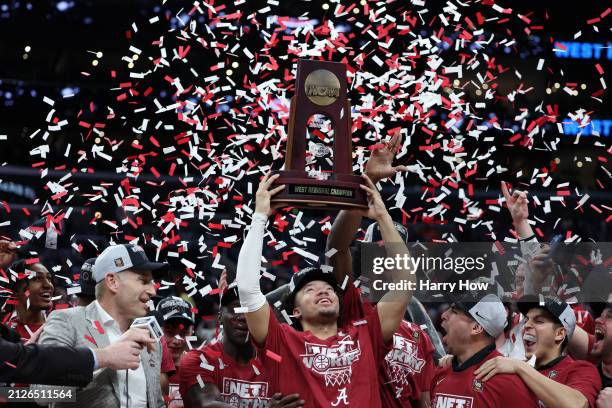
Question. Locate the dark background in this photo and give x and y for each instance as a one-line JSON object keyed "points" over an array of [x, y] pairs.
{"points": [[64, 38]]}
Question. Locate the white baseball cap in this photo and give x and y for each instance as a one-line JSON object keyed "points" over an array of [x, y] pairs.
{"points": [[118, 258]]}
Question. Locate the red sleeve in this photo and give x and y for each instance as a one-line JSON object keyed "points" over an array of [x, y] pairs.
{"points": [[167, 364], [585, 378], [275, 336], [190, 368], [270, 351], [380, 348], [430, 366], [353, 308]]}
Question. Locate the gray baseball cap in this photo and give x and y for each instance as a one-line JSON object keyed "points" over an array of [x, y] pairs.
{"points": [[488, 311], [118, 258]]}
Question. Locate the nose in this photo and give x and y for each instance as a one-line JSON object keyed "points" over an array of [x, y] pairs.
{"points": [[445, 315], [47, 284], [151, 291], [324, 291]]}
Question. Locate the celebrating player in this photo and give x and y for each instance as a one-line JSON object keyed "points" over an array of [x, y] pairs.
{"points": [[558, 380], [228, 373], [327, 366], [471, 328]]}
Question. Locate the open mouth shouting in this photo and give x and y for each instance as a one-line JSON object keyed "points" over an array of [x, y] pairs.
{"points": [[600, 336], [530, 342]]}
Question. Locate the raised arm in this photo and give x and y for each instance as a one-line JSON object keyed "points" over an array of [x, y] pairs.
{"points": [[392, 306], [249, 263], [347, 222], [519, 211]]}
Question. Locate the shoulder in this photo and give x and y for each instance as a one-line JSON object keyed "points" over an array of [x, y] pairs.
{"points": [[508, 381], [193, 358], [583, 366], [66, 314]]}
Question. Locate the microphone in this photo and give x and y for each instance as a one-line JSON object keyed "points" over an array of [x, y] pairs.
{"points": [[150, 323]]}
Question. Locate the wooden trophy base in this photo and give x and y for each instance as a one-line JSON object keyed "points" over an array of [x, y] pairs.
{"points": [[339, 191]]}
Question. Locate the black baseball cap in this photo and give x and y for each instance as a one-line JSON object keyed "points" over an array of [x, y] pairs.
{"points": [[175, 308], [230, 294], [86, 279], [561, 311], [599, 307], [304, 276]]}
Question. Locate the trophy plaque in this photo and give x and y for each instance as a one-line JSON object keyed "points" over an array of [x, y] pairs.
{"points": [[320, 104]]}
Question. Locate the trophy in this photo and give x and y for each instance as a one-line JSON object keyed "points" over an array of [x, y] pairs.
{"points": [[320, 102]]}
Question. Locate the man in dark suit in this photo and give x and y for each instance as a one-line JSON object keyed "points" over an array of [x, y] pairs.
{"points": [[61, 365]]}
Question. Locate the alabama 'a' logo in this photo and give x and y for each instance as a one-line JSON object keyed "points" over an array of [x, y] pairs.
{"points": [[335, 362]]}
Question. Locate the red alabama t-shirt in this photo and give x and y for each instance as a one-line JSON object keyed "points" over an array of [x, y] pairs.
{"points": [[577, 374], [456, 387], [340, 371], [409, 365], [240, 385]]}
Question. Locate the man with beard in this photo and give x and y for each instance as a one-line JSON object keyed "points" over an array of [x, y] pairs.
{"points": [[557, 380], [471, 326], [228, 372], [33, 290], [325, 364]]}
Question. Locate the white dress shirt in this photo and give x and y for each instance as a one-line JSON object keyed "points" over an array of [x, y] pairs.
{"points": [[136, 394]]}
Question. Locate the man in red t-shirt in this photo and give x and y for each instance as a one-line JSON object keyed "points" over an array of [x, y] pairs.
{"points": [[557, 379], [471, 327], [325, 364], [405, 375], [228, 372]]}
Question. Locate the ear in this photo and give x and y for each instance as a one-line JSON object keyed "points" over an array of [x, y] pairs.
{"points": [[560, 334], [297, 312], [112, 282], [477, 328]]}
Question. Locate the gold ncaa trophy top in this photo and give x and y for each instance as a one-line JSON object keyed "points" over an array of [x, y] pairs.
{"points": [[320, 91]]}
